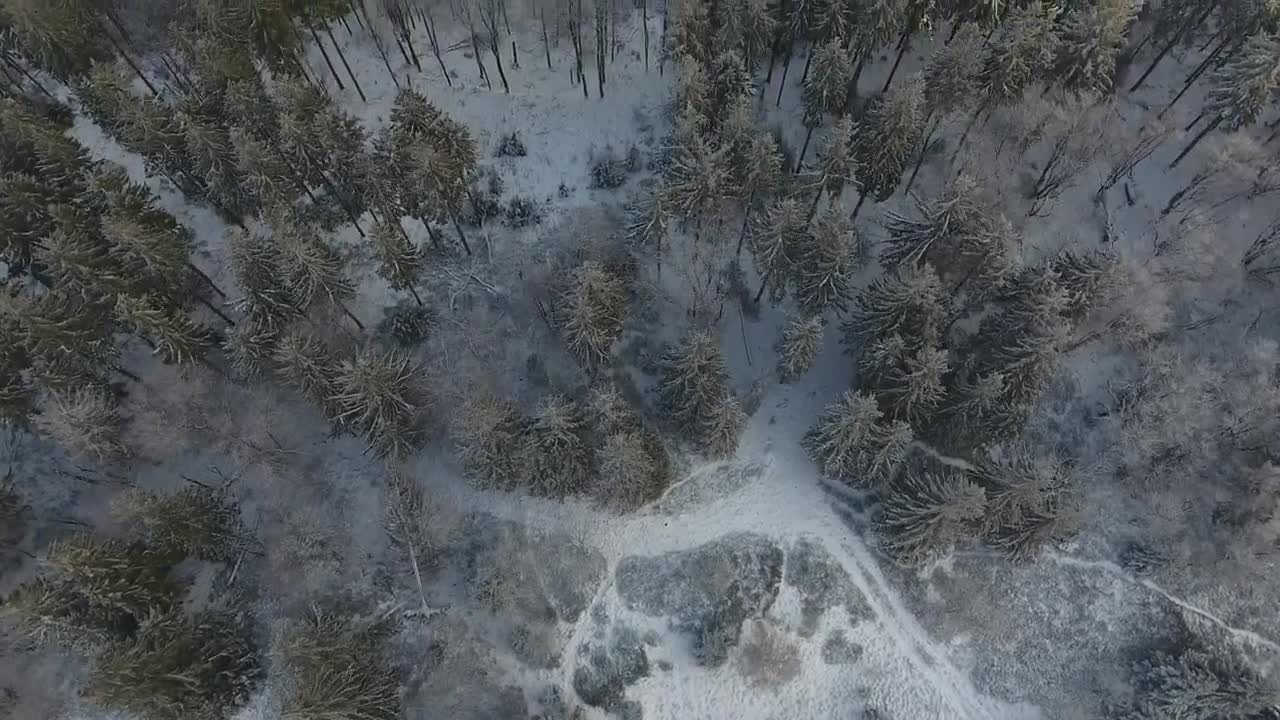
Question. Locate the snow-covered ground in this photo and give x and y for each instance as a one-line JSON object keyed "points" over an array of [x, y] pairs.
{"points": [[974, 638]]}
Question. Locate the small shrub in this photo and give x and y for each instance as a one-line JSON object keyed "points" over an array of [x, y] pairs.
{"points": [[407, 323], [563, 191], [608, 172], [511, 146], [634, 162], [522, 212]]}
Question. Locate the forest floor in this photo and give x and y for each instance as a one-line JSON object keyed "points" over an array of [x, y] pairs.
{"points": [[975, 637]]}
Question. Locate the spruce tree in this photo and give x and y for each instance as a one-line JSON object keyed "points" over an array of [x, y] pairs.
{"points": [[824, 262], [250, 348], [214, 161], [338, 668], [837, 165], [634, 468], [908, 383], [1240, 89], [925, 514], [908, 302], [1087, 278], [694, 383], [409, 525], [440, 155], [697, 178], [1091, 39], [798, 351], [267, 299], [756, 167], [886, 137], [86, 421], [66, 337], [593, 308], [722, 426], [400, 262], [775, 245], [950, 84], [556, 450], [1031, 501], [378, 395], [55, 610], [125, 576], [1019, 53], [178, 668], [314, 271], [649, 219], [307, 363], [268, 179], [853, 443], [63, 37], [486, 430], [824, 91], [197, 521], [176, 336]]}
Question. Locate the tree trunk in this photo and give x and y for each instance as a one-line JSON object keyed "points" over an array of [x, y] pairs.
{"points": [[413, 54], [813, 207], [1196, 141], [644, 24], [852, 94], [461, 235], [662, 58], [746, 218], [497, 57], [207, 280], [782, 83], [136, 70], [324, 53], [431, 233], [808, 62], [430, 24], [862, 197], [764, 283], [804, 149], [475, 50], [414, 292], [345, 65], [965, 135], [924, 148], [345, 310], [546, 46], [1195, 75], [200, 299], [17, 66], [333, 192], [903, 42]]}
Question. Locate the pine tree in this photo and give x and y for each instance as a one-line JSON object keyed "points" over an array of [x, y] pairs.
{"points": [[197, 521], [1088, 279], [908, 302], [85, 421], [176, 336], [128, 577], [378, 396], [1240, 90], [851, 442], [308, 364], [1031, 501], [694, 382], [486, 430], [1091, 39], [556, 450], [593, 308], [338, 667], [65, 337], [925, 514], [824, 263], [267, 300], [798, 351], [634, 468], [441, 155], [179, 668], [886, 137], [950, 84], [775, 244], [824, 91], [400, 262], [268, 179]]}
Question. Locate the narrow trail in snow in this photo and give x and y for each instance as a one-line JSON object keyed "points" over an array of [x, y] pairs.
{"points": [[1114, 570]]}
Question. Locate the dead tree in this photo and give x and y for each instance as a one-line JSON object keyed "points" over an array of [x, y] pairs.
{"points": [[1146, 146], [489, 19]]}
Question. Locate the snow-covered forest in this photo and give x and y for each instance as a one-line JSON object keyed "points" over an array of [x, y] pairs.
{"points": [[569, 359]]}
